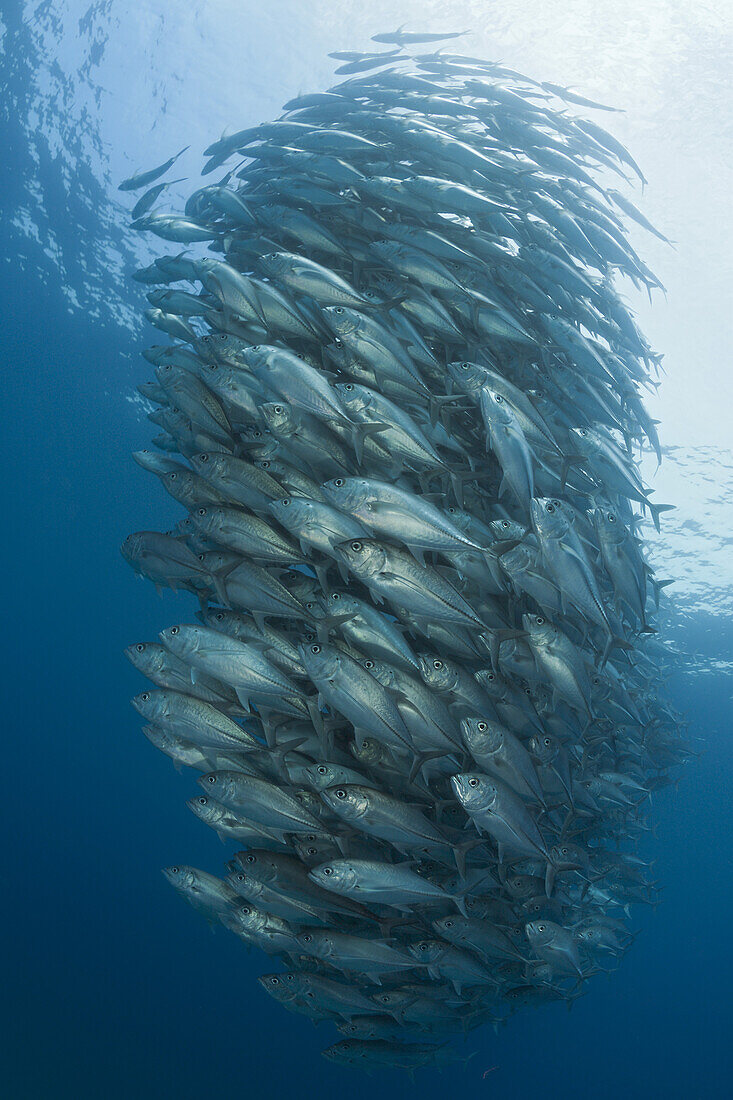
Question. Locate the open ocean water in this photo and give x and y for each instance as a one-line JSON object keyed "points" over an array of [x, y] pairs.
{"points": [[113, 988]]}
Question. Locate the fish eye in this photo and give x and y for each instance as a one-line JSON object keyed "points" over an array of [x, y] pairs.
{"points": [[285, 502], [307, 939], [145, 696], [241, 877], [278, 409], [582, 431], [338, 309], [173, 476], [338, 482], [540, 621], [550, 508], [256, 347], [223, 337], [338, 342], [336, 596], [349, 386], [548, 742], [369, 664], [201, 512], [482, 727], [245, 909], [251, 859], [465, 366], [204, 457], [611, 517], [448, 924], [540, 927], [328, 871], [505, 523], [437, 665], [274, 981], [219, 617], [175, 870], [491, 677], [203, 801], [174, 629], [341, 793], [315, 649], [211, 779], [473, 782], [356, 547], [498, 398], [312, 851], [265, 464], [322, 769], [139, 647]]}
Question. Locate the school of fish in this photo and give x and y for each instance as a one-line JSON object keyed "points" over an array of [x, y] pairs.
{"points": [[401, 406]]}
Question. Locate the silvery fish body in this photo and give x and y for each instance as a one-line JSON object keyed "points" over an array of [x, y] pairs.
{"points": [[194, 719]]}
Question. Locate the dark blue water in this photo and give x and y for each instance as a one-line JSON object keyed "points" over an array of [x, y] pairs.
{"points": [[113, 987]]}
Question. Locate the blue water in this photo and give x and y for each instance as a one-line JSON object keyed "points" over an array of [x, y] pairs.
{"points": [[113, 988]]}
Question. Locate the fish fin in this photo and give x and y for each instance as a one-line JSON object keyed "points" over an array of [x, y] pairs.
{"points": [[417, 552], [321, 570], [460, 851], [460, 903], [359, 736], [549, 879], [421, 759], [243, 699], [360, 432], [567, 463], [574, 554], [657, 509]]}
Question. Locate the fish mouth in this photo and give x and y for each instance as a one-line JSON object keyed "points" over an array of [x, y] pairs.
{"points": [[342, 548], [537, 509], [459, 783], [467, 725]]}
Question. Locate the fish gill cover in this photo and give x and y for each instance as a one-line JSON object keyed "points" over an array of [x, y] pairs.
{"points": [[401, 410]]}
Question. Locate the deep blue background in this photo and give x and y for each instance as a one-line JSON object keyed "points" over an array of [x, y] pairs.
{"points": [[114, 988]]}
